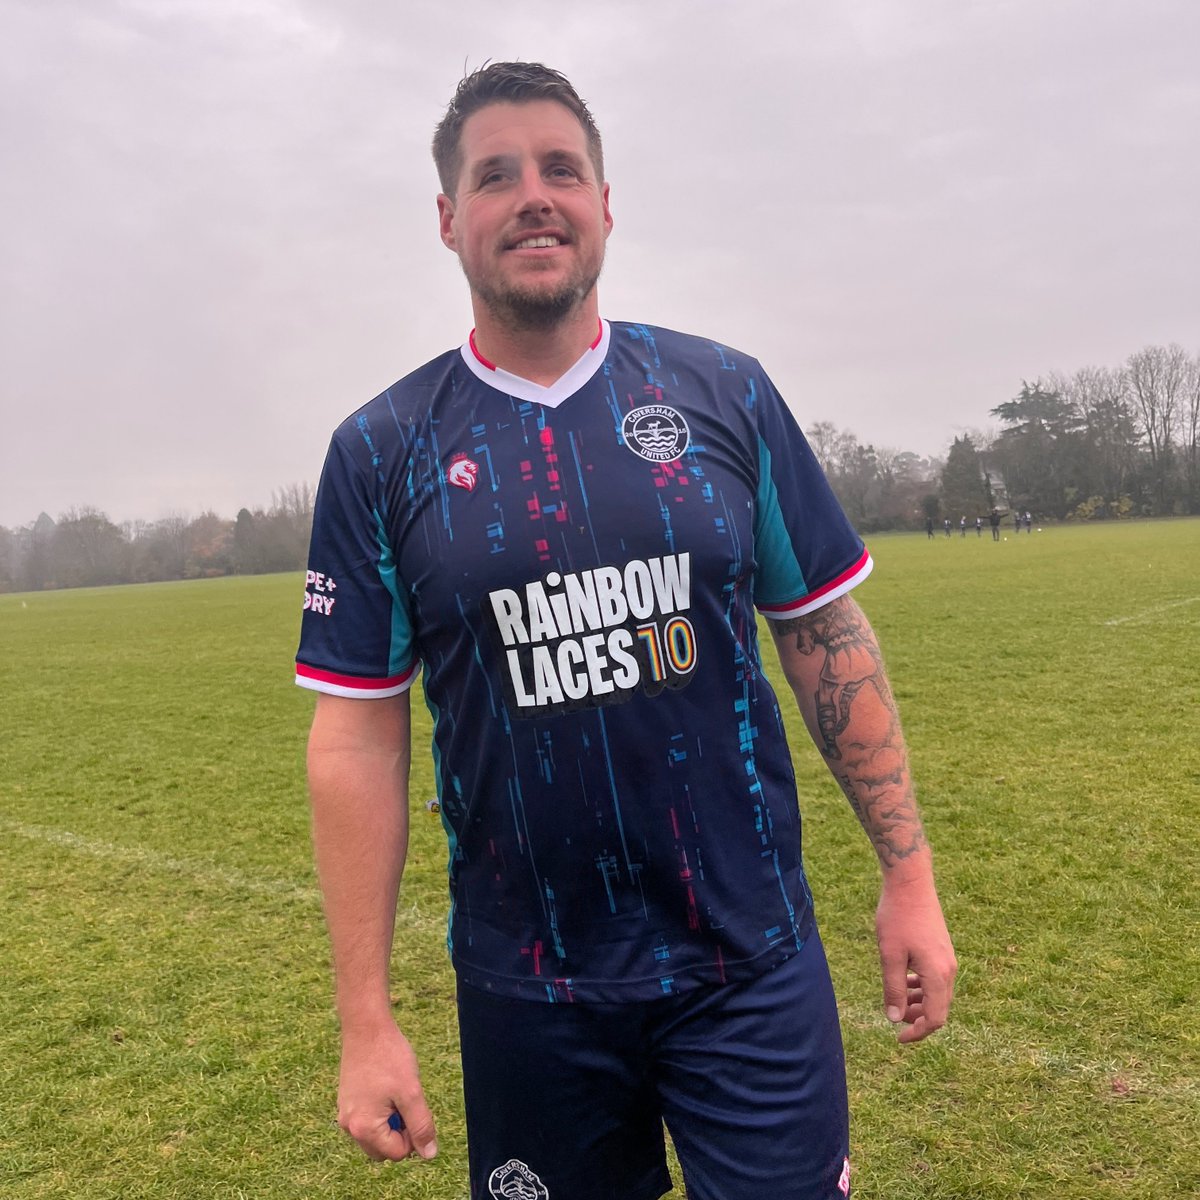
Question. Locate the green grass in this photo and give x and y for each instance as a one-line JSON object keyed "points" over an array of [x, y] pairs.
{"points": [[167, 1029]]}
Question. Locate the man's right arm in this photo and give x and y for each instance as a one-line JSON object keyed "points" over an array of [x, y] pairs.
{"points": [[358, 758]]}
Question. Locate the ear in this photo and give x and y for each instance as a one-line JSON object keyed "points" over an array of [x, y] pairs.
{"points": [[608, 221], [445, 207]]}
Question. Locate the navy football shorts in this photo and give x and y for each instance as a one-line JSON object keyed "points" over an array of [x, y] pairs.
{"points": [[568, 1101]]}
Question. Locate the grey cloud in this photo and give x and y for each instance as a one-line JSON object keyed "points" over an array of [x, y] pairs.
{"points": [[218, 236]]}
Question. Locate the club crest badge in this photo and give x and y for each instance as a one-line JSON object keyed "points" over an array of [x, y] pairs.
{"points": [[656, 433], [463, 472], [515, 1181]]}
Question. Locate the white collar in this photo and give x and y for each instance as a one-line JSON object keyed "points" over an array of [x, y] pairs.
{"points": [[565, 386]]}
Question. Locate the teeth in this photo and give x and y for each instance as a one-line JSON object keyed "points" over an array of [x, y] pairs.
{"points": [[537, 243]]}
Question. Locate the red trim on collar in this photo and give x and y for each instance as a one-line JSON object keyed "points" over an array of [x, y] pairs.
{"points": [[491, 366], [475, 350]]}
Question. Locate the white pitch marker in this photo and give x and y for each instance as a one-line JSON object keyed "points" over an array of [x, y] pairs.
{"points": [[226, 878], [409, 917], [1147, 613]]}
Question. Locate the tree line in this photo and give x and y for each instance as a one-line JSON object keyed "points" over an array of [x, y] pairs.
{"points": [[83, 548], [1101, 443]]}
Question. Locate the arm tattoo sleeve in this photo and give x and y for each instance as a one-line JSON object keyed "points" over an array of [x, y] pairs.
{"points": [[858, 727]]}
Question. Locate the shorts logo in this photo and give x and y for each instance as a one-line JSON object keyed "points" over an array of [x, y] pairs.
{"points": [[515, 1181], [463, 472], [655, 432], [844, 1179]]}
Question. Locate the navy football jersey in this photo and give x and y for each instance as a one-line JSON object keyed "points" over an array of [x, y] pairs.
{"points": [[576, 570]]}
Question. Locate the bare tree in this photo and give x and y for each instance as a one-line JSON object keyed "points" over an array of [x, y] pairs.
{"points": [[823, 438], [1157, 381], [8, 560], [294, 501], [88, 549], [1191, 431], [169, 545], [1110, 433]]}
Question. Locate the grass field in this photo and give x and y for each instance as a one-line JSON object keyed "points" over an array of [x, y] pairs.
{"points": [[166, 1029]]}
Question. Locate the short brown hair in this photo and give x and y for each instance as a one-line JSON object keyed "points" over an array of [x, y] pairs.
{"points": [[506, 83]]}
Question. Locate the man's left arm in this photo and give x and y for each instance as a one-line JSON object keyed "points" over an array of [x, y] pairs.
{"points": [[832, 661]]}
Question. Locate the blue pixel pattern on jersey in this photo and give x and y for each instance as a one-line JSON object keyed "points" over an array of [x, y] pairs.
{"points": [[577, 579]]}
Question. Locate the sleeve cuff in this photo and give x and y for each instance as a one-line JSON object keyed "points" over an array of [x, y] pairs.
{"points": [[811, 601], [354, 686]]}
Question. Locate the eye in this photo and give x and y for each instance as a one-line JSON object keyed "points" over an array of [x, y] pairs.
{"points": [[560, 171]]}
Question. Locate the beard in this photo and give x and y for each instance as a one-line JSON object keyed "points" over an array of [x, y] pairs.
{"points": [[534, 310]]}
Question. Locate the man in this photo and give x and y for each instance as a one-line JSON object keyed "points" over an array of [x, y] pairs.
{"points": [[994, 520], [568, 524]]}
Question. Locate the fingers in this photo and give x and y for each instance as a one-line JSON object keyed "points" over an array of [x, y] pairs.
{"points": [[938, 992], [914, 1032], [378, 1138], [392, 1137], [915, 1022], [926, 1007], [914, 999]]}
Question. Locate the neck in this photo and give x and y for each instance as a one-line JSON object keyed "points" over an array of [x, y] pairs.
{"points": [[540, 355]]}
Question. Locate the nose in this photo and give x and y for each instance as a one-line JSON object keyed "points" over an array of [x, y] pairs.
{"points": [[533, 195]]}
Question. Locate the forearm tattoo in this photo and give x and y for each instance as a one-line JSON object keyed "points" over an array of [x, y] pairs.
{"points": [[858, 727]]}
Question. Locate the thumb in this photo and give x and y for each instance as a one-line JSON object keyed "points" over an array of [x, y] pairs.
{"points": [[895, 983], [418, 1124]]}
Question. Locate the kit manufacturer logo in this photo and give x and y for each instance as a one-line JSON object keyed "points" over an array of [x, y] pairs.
{"points": [[655, 432], [463, 472]]}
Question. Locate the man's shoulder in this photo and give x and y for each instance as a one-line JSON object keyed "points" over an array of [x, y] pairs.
{"points": [[408, 393], [638, 334]]}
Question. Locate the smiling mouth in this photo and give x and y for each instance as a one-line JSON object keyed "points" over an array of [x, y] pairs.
{"points": [[537, 243]]}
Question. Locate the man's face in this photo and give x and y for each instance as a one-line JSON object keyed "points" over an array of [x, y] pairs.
{"points": [[529, 218]]}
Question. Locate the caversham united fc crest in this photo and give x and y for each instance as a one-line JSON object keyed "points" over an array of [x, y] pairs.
{"points": [[515, 1181], [655, 432]]}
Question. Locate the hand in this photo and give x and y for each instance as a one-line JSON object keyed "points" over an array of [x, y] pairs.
{"points": [[916, 957], [379, 1078]]}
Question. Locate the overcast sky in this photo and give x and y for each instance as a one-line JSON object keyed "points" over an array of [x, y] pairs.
{"points": [[218, 234]]}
